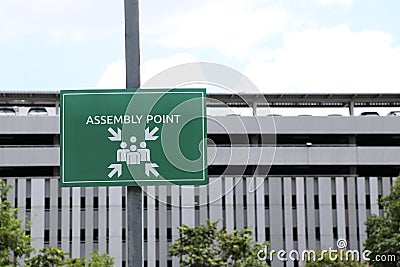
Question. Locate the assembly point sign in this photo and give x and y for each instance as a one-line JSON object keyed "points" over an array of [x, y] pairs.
{"points": [[133, 137]]}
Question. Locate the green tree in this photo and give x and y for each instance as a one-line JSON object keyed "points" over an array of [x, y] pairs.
{"points": [[384, 232], [205, 246], [52, 257], [47, 257], [14, 242], [98, 260]]}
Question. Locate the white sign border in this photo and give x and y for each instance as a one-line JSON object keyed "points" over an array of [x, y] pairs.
{"points": [[153, 91]]}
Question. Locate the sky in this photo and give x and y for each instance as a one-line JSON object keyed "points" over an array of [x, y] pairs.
{"points": [[301, 46]]}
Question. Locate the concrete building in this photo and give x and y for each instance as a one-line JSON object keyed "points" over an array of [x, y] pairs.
{"points": [[324, 181]]}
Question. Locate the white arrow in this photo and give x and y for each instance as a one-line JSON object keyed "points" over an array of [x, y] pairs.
{"points": [[150, 135], [115, 168], [116, 135], [149, 168]]}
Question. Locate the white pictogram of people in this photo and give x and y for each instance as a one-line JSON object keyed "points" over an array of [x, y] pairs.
{"points": [[133, 155]]}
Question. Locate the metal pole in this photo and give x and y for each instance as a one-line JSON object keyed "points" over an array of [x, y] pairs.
{"points": [[255, 108], [134, 193], [351, 108]]}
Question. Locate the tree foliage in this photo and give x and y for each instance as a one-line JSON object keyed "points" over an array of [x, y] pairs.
{"points": [[47, 257], [384, 232], [205, 246], [14, 242], [98, 260], [52, 257]]}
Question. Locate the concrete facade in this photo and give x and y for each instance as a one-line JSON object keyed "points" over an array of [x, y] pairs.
{"points": [[317, 192]]}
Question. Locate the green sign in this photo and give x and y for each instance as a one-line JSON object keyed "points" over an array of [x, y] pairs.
{"points": [[133, 137]]}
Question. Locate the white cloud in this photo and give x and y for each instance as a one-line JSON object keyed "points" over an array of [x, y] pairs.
{"points": [[313, 61], [155, 66], [230, 27], [114, 75], [330, 60], [62, 19]]}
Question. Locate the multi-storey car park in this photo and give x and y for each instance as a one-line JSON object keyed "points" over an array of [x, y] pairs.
{"points": [[324, 181]]}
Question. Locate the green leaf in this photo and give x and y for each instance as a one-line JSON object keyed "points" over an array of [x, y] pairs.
{"points": [[206, 245]]}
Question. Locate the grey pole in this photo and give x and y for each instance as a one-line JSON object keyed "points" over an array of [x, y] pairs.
{"points": [[134, 193], [255, 108], [351, 108]]}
